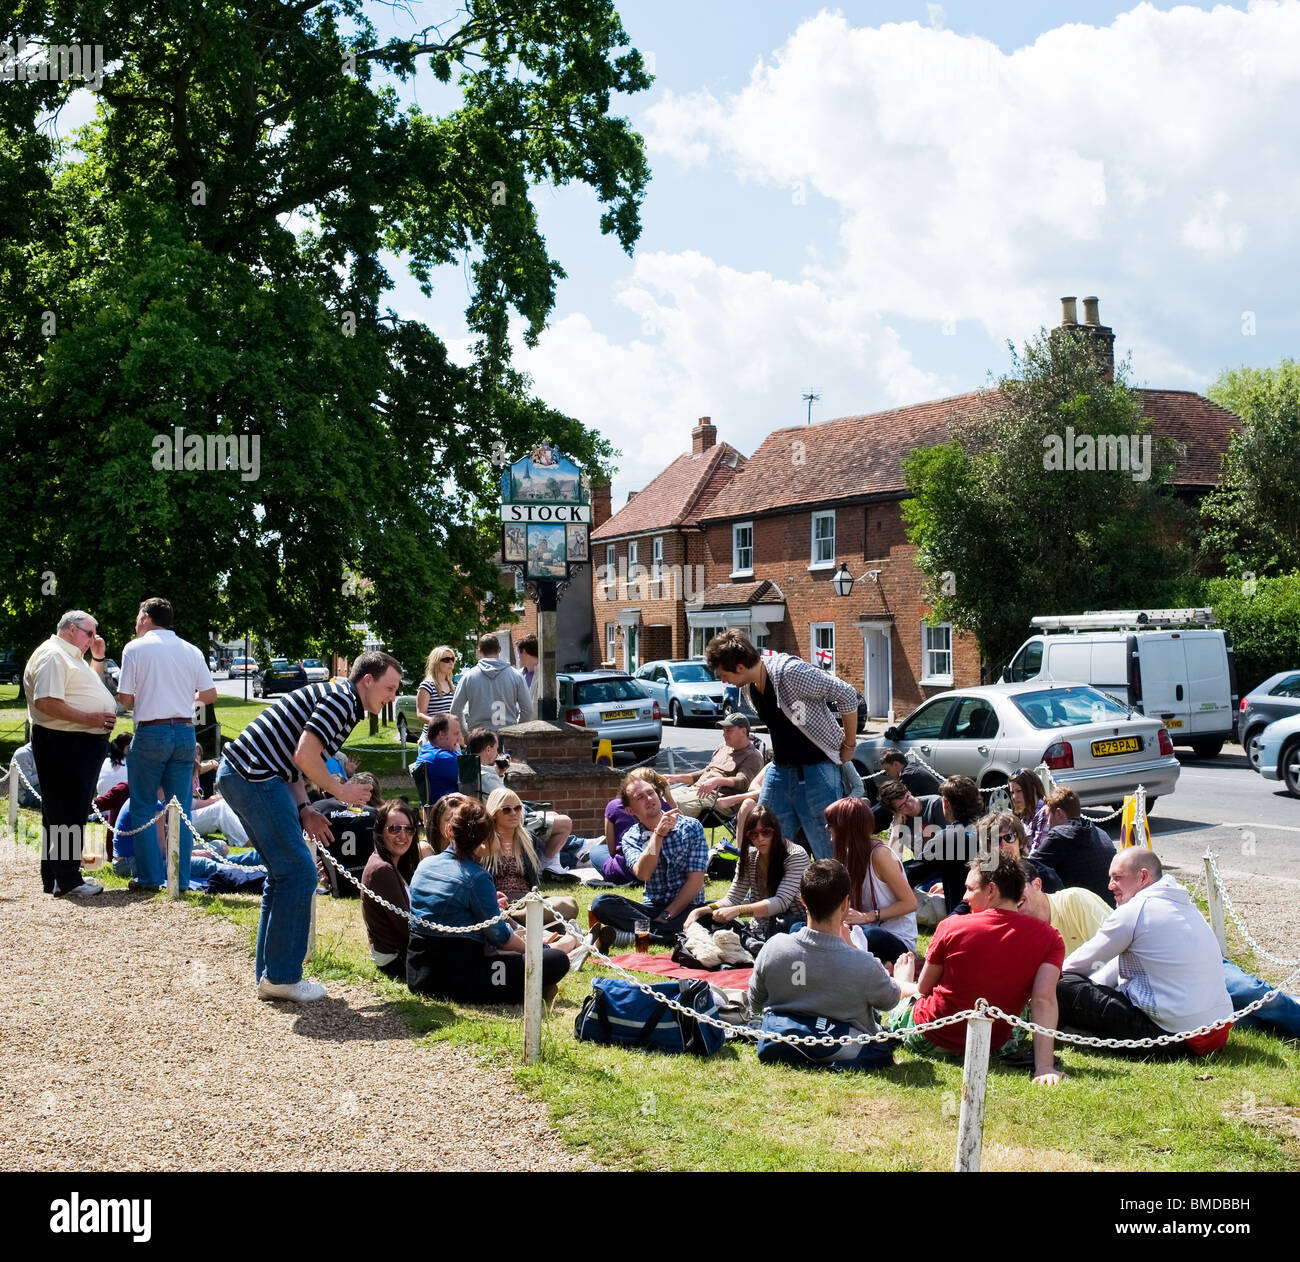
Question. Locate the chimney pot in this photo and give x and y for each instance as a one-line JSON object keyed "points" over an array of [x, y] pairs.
{"points": [[1090, 313], [703, 436], [1069, 311]]}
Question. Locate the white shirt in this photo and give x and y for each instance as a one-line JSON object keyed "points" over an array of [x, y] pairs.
{"points": [[163, 672], [109, 776], [1162, 956]]}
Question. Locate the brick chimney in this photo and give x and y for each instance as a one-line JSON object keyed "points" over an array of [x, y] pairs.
{"points": [[1101, 338], [703, 436], [600, 505]]}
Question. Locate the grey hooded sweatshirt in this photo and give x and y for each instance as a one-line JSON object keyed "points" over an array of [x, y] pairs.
{"points": [[492, 694]]}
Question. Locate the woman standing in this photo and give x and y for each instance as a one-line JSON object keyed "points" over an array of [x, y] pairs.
{"points": [[1027, 802], [510, 858], [880, 898], [436, 689], [388, 873], [453, 889]]}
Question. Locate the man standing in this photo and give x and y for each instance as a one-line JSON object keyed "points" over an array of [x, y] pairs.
{"points": [[262, 776], [816, 973], [734, 764], [162, 677], [666, 851], [808, 742], [527, 650], [492, 694], [437, 759], [1158, 967], [71, 713]]}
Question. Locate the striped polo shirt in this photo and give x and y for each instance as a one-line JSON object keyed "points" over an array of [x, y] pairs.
{"points": [[264, 749]]}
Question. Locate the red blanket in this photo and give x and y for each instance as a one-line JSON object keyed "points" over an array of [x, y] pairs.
{"points": [[724, 978]]}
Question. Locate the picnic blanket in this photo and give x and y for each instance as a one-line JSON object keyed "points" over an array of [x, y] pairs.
{"points": [[723, 978]]}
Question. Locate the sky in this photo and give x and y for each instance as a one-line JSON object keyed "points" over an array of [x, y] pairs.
{"points": [[870, 200]]}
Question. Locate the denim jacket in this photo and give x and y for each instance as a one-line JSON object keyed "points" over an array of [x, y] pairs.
{"points": [[450, 891]]}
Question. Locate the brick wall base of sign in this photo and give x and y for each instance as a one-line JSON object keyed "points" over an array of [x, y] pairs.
{"points": [[551, 762]]}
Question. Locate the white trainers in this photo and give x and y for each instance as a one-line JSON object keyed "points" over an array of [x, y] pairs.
{"points": [[300, 992], [85, 890]]}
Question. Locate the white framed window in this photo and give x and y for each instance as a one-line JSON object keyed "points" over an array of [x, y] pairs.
{"points": [[936, 653], [742, 548], [611, 568], [657, 563], [700, 636], [631, 553], [822, 638], [609, 641], [823, 540], [761, 641]]}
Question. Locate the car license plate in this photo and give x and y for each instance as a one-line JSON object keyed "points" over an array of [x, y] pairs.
{"points": [[1125, 745], [609, 716], [1169, 723]]}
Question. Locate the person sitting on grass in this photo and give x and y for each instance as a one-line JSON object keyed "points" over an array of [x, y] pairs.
{"points": [[1075, 913], [607, 857], [995, 953], [453, 889], [919, 780], [815, 973], [744, 804], [388, 873], [510, 858], [668, 852], [1157, 965], [765, 887], [437, 830], [945, 852], [1078, 849], [880, 899], [1026, 792]]}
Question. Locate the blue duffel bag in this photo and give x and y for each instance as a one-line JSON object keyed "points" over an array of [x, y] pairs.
{"points": [[618, 1011]]}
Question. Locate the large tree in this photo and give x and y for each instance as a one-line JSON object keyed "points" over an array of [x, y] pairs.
{"points": [[207, 255], [1252, 519], [1009, 525]]}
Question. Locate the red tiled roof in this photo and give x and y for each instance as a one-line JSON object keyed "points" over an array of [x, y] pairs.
{"points": [[726, 595], [678, 496], [859, 456]]}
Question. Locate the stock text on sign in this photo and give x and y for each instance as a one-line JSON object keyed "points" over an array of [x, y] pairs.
{"points": [[545, 512]]}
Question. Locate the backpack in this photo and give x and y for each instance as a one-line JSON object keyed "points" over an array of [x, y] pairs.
{"points": [[804, 1025], [618, 1011], [722, 862]]}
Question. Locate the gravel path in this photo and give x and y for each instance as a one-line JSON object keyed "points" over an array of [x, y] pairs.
{"points": [[132, 1040]]}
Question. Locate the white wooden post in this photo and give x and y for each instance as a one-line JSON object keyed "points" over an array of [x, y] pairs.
{"points": [[1215, 898], [1141, 836], [174, 848], [14, 782], [533, 977], [402, 735], [974, 1078]]}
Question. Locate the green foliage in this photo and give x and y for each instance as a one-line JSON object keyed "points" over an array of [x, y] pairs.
{"points": [[1262, 616], [1252, 519], [1003, 537], [209, 251]]}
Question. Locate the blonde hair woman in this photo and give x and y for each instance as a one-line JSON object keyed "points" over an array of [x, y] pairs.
{"points": [[436, 689], [510, 858]]}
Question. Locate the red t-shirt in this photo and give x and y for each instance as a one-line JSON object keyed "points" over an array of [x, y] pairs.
{"points": [[991, 955]]}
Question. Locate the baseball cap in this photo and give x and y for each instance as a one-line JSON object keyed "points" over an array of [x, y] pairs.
{"points": [[735, 719]]}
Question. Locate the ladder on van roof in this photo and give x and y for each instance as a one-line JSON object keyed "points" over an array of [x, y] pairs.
{"points": [[1127, 619]]}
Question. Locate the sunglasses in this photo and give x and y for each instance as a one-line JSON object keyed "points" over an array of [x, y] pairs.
{"points": [[399, 828], [512, 809], [447, 661], [760, 830], [1005, 837]]}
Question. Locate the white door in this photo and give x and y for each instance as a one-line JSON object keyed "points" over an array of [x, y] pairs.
{"points": [[879, 694]]}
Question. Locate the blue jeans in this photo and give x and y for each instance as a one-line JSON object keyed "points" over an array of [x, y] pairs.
{"points": [[799, 796], [267, 810], [161, 756], [1281, 1015]]}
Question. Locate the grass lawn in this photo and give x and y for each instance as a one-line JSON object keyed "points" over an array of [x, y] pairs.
{"points": [[631, 1110]]}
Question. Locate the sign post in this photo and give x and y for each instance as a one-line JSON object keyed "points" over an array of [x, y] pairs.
{"points": [[545, 525]]}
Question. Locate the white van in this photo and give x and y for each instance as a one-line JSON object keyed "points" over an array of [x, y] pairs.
{"points": [[1166, 663]]}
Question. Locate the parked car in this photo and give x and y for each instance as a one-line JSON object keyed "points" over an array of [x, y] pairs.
{"points": [[1091, 742], [112, 672], [612, 706], [242, 666], [684, 690], [11, 666], [280, 677], [1277, 753], [317, 671], [1278, 697]]}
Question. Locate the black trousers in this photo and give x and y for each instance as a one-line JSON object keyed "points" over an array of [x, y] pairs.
{"points": [[623, 913], [67, 764], [457, 968], [1107, 1013]]}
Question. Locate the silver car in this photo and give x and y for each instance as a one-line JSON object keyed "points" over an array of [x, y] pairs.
{"points": [[685, 690], [1278, 697], [1090, 742], [1277, 753], [612, 706]]}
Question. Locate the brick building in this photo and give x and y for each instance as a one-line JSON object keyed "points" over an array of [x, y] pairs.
{"points": [[649, 558], [812, 497]]}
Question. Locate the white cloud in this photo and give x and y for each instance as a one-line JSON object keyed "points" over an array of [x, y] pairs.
{"points": [[1209, 231]]}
